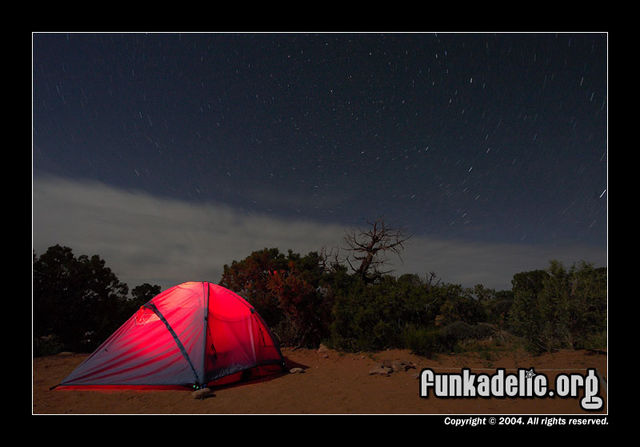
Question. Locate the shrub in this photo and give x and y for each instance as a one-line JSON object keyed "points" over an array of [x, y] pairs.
{"points": [[483, 330], [47, 345], [595, 341], [374, 316], [422, 341], [303, 305], [559, 308], [288, 292], [462, 308], [249, 278], [451, 335], [75, 295]]}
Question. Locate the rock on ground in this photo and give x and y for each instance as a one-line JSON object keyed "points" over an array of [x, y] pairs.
{"points": [[202, 393]]}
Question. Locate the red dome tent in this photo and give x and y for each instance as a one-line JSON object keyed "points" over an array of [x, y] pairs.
{"points": [[192, 335]]}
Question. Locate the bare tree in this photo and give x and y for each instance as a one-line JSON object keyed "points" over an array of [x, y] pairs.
{"points": [[369, 248]]}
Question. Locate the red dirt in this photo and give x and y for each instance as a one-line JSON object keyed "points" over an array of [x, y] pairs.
{"points": [[332, 383]]}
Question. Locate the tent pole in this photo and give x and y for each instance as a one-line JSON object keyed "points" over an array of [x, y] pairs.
{"points": [[206, 327]]}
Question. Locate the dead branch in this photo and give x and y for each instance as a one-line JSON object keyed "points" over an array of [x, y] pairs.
{"points": [[370, 247]]}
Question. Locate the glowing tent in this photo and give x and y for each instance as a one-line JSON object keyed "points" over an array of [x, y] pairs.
{"points": [[192, 335]]}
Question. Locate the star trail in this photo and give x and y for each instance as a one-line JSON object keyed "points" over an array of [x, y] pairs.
{"points": [[478, 138]]}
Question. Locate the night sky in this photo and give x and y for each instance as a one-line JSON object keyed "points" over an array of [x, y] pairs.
{"points": [[464, 140]]}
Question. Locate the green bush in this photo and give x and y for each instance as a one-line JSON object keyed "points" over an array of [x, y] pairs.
{"points": [[73, 296], [483, 330], [462, 308], [47, 345], [371, 317], [595, 341], [422, 341], [559, 308], [452, 334]]}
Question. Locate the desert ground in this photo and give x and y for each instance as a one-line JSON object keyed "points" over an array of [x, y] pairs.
{"points": [[331, 382]]}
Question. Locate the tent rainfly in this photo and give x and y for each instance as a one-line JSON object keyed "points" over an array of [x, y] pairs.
{"points": [[192, 335]]}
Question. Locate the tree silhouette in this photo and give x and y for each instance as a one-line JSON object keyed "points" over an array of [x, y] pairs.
{"points": [[370, 246], [77, 300]]}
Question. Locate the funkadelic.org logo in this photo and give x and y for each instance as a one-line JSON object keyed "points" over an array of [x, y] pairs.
{"points": [[523, 384]]}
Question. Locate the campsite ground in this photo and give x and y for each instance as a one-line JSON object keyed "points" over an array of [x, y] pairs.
{"points": [[332, 383]]}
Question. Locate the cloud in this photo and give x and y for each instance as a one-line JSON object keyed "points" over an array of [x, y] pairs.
{"points": [[144, 238], [490, 264]]}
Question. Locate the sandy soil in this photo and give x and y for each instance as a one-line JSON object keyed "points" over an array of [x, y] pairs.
{"points": [[332, 383]]}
